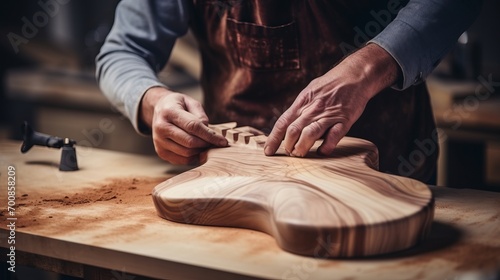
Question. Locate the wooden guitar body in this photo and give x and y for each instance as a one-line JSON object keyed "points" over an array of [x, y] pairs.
{"points": [[337, 206]]}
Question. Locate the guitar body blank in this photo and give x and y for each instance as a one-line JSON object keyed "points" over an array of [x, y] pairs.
{"points": [[337, 206]]}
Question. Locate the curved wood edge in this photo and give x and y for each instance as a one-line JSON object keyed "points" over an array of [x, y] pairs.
{"points": [[217, 208], [314, 241]]}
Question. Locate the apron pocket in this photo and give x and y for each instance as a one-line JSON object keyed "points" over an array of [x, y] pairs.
{"points": [[262, 47]]}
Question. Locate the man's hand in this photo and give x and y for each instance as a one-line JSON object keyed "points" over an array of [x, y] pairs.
{"points": [[178, 124], [330, 104]]}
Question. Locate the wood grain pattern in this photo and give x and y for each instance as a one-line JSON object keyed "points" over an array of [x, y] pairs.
{"points": [[128, 237], [337, 206]]}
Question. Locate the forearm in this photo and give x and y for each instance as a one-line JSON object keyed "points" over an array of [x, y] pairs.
{"points": [[375, 68], [137, 47], [147, 106], [124, 79]]}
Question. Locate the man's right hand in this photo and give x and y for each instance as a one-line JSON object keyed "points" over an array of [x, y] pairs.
{"points": [[178, 124]]}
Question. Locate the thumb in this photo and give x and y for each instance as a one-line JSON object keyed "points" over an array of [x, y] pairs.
{"points": [[194, 107]]}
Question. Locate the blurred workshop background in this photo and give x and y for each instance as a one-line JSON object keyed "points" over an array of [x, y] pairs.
{"points": [[47, 74]]}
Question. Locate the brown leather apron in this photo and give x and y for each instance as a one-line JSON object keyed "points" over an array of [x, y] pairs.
{"points": [[259, 54]]}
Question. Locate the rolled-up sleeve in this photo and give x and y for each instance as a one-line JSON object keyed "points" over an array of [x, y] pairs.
{"points": [[423, 32], [137, 47]]}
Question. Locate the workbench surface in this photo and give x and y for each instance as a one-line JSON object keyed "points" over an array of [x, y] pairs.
{"points": [[103, 216]]}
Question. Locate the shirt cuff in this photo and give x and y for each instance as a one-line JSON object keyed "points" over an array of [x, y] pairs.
{"points": [[132, 105], [401, 41]]}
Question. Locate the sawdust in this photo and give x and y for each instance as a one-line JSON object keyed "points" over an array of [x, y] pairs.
{"points": [[58, 214], [95, 214], [46, 213]]}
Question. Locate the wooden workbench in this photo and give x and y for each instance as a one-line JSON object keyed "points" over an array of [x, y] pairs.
{"points": [[102, 217]]}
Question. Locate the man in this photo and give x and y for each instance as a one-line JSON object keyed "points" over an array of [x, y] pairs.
{"points": [[300, 69]]}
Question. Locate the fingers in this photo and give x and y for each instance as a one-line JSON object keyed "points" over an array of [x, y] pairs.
{"points": [[194, 126], [274, 139], [174, 139], [335, 133], [301, 135], [180, 131], [175, 145], [298, 128], [310, 133], [299, 131]]}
